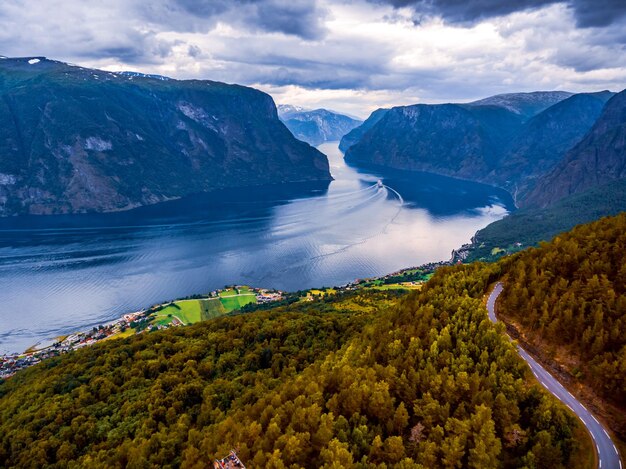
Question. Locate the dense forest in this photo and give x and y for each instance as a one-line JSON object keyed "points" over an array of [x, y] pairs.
{"points": [[571, 294], [364, 379]]}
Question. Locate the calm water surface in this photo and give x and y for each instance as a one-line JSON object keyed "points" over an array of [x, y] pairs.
{"points": [[68, 273]]}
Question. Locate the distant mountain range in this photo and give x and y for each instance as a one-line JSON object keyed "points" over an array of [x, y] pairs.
{"points": [[526, 105], [73, 139], [513, 141], [316, 126]]}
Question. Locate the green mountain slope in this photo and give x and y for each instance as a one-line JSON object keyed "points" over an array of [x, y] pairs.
{"points": [[543, 141], [363, 379], [529, 226], [526, 105], [355, 134], [450, 139], [76, 140]]}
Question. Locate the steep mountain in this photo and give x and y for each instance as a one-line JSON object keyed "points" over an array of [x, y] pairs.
{"points": [[317, 126], [505, 140], [544, 139], [458, 140], [526, 105], [355, 134], [74, 139], [598, 158]]}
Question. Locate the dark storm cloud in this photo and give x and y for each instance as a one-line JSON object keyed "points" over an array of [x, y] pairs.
{"points": [[302, 18], [593, 13], [463, 11], [588, 13]]}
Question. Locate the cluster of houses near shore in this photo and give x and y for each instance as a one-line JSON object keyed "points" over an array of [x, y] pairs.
{"points": [[12, 363]]}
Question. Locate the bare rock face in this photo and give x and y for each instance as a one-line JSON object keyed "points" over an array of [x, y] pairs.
{"points": [[76, 140], [598, 158], [450, 139]]}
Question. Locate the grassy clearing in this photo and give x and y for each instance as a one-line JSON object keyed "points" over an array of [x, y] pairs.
{"points": [[211, 308], [328, 291], [227, 293], [396, 286], [232, 303], [121, 335], [188, 311]]}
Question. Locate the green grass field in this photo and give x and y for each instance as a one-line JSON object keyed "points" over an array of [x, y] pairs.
{"points": [[193, 311], [188, 311], [232, 303], [395, 286], [227, 293], [211, 308]]}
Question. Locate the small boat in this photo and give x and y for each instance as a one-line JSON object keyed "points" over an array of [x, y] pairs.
{"points": [[379, 184]]}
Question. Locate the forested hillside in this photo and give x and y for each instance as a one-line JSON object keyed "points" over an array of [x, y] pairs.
{"points": [[570, 294], [366, 379], [529, 226]]}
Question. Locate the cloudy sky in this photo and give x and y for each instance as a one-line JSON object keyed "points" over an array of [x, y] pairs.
{"points": [[349, 55]]}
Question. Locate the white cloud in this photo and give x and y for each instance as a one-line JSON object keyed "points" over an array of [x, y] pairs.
{"points": [[355, 56]]}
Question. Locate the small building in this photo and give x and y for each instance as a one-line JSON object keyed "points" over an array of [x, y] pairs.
{"points": [[231, 461]]}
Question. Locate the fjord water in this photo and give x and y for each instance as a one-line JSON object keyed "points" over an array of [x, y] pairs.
{"points": [[61, 274]]}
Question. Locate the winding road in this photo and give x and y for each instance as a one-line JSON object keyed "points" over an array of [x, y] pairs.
{"points": [[608, 457]]}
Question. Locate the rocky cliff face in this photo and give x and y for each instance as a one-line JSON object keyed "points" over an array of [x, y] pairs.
{"points": [[317, 126], [449, 139], [77, 140], [598, 158], [544, 139], [498, 140]]}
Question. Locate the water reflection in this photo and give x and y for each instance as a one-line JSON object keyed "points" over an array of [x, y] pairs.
{"points": [[64, 273]]}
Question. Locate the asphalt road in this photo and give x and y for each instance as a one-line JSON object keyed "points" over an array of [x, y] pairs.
{"points": [[608, 457]]}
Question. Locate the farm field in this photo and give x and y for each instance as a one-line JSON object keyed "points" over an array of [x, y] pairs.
{"points": [[233, 302]]}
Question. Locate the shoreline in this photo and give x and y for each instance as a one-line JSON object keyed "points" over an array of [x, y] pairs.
{"points": [[137, 322], [126, 325]]}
